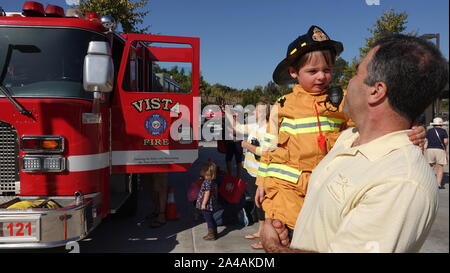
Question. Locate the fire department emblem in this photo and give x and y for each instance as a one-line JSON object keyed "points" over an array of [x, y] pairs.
{"points": [[156, 124], [319, 36]]}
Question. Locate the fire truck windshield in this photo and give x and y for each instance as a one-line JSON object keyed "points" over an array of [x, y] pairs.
{"points": [[44, 62]]}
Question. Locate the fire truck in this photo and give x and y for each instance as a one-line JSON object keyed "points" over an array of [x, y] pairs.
{"points": [[83, 111]]}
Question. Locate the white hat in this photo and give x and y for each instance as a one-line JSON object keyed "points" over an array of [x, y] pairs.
{"points": [[437, 121]]}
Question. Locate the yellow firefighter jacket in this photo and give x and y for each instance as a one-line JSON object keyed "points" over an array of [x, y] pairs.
{"points": [[291, 147]]}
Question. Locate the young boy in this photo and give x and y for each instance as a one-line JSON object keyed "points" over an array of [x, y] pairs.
{"points": [[303, 126]]}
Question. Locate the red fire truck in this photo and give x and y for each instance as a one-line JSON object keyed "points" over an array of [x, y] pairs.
{"points": [[83, 111]]}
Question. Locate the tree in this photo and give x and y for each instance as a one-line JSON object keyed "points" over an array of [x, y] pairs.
{"points": [[124, 11], [338, 72], [389, 23]]}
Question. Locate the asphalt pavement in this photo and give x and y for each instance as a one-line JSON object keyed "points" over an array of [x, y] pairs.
{"points": [[133, 235]]}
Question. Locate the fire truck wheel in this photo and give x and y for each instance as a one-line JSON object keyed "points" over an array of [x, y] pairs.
{"points": [[129, 208]]}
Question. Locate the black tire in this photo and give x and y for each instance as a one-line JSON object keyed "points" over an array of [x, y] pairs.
{"points": [[129, 209]]}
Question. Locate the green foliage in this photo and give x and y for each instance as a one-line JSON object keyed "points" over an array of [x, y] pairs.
{"points": [[179, 75], [389, 23], [348, 73], [124, 11], [270, 92], [339, 69]]}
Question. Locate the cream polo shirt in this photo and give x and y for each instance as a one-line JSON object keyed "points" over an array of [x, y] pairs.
{"points": [[378, 197]]}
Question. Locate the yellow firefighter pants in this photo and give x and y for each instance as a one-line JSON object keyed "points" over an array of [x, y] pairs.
{"points": [[283, 199]]}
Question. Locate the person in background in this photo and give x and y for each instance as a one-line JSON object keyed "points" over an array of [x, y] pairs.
{"points": [[156, 185], [437, 141], [256, 132], [207, 198], [234, 146]]}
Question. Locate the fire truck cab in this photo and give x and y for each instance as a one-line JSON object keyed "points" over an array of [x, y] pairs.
{"points": [[83, 111]]}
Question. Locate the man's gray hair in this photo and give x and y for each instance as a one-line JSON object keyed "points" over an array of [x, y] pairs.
{"points": [[413, 69]]}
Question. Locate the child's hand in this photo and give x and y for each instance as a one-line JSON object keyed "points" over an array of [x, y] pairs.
{"points": [[203, 207], [259, 196], [417, 136]]}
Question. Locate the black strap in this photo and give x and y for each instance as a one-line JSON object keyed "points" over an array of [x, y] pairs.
{"points": [[439, 137]]}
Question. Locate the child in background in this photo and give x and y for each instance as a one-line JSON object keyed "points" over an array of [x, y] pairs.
{"points": [[207, 198]]}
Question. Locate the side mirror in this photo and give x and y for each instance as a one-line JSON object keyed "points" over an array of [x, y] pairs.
{"points": [[98, 71]]}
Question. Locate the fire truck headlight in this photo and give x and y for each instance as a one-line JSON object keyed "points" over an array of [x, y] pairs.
{"points": [[31, 164], [43, 163]]}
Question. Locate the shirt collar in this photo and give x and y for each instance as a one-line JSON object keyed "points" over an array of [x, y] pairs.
{"points": [[378, 147]]}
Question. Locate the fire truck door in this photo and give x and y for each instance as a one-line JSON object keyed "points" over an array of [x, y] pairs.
{"points": [[152, 120]]}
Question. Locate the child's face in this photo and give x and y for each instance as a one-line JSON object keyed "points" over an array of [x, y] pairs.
{"points": [[315, 75]]}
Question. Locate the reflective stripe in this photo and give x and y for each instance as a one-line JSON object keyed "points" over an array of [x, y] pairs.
{"points": [[262, 171], [251, 164], [269, 136], [310, 125], [279, 171], [82, 163], [268, 142]]}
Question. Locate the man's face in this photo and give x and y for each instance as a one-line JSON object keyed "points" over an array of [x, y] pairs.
{"points": [[357, 91]]}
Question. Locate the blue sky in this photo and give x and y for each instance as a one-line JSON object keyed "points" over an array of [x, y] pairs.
{"points": [[242, 41]]}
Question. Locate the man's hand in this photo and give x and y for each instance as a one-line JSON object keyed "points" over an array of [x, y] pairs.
{"points": [[272, 235], [282, 232], [269, 237], [259, 196], [417, 135]]}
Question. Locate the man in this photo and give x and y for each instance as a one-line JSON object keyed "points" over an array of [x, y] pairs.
{"points": [[374, 191]]}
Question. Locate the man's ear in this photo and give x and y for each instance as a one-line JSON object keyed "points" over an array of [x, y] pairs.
{"points": [[378, 93], [293, 72]]}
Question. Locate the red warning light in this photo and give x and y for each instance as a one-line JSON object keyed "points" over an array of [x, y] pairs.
{"points": [[54, 11], [33, 9]]}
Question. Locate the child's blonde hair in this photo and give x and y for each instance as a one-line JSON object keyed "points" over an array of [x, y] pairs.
{"points": [[209, 170]]}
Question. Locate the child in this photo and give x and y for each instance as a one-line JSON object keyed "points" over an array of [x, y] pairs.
{"points": [[207, 198], [303, 126]]}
